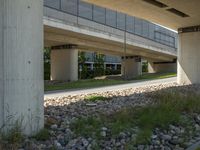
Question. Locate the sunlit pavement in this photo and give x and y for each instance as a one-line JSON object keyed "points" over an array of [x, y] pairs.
{"points": [[61, 93]]}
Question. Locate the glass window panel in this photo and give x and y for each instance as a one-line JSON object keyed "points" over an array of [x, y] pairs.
{"points": [[85, 10], [138, 26], [111, 18], [69, 6], [163, 37], [99, 14], [130, 24], [145, 28], [52, 3], [151, 31], [121, 21], [171, 39]]}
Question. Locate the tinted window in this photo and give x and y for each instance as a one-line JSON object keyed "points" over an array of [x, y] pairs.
{"points": [[121, 21], [151, 30], [111, 18], [69, 6], [52, 3], [138, 26], [99, 14], [145, 28], [85, 10], [130, 24]]}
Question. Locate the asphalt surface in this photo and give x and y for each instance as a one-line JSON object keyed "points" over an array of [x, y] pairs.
{"points": [[136, 84]]}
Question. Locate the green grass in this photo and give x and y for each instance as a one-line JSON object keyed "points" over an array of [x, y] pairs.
{"points": [[87, 127], [103, 82], [84, 84], [156, 76], [94, 98], [42, 135], [168, 109], [13, 138]]}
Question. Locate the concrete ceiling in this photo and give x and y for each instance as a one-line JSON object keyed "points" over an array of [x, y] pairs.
{"points": [[158, 14]]}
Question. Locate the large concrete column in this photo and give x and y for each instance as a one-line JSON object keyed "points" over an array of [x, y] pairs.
{"points": [[189, 56], [162, 67], [21, 65], [64, 64], [131, 67]]}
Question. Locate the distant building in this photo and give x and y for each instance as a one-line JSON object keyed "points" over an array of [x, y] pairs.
{"points": [[110, 62]]}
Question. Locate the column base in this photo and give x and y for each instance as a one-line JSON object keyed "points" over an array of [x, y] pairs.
{"points": [[64, 65], [188, 58], [131, 67]]}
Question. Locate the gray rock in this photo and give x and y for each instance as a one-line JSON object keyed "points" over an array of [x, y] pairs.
{"points": [[166, 137], [104, 129], [141, 147], [103, 133], [54, 126], [85, 142]]}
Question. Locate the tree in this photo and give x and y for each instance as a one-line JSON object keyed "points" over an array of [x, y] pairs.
{"points": [[99, 64], [47, 63], [82, 66]]}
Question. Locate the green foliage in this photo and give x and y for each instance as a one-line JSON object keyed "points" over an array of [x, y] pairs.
{"points": [[94, 98], [145, 67], [87, 127], [83, 73], [99, 65], [47, 64], [42, 135], [13, 138], [168, 109]]}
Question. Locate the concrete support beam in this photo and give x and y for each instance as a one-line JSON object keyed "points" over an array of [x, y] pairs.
{"points": [[131, 67], [162, 67], [21, 65], [64, 64], [188, 58]]}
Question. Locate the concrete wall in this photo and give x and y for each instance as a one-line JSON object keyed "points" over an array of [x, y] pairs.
{"points": [[1, 65], [130, 68], [21, 64], [161, 67], [188, 58], [64, 65]]}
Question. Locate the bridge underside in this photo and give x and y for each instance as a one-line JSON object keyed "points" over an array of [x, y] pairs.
{"points": [[60, 37], [174, 14], [180, 15]]}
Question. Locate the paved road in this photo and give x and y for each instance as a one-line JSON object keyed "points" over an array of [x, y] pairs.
{"points": [[136, 84]]}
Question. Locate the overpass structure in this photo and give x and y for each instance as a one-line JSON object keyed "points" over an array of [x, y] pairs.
{"points": [[72, 25], [180, 15], [26, 26]]}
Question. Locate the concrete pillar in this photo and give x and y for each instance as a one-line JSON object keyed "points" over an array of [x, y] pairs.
{"points": [[131, 67], [64, 64], [161, 67], [189, 58], [92, 66], [21, 65], [115, 65]]}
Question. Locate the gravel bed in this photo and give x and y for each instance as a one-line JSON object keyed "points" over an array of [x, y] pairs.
{"points": [[62, 111]]}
